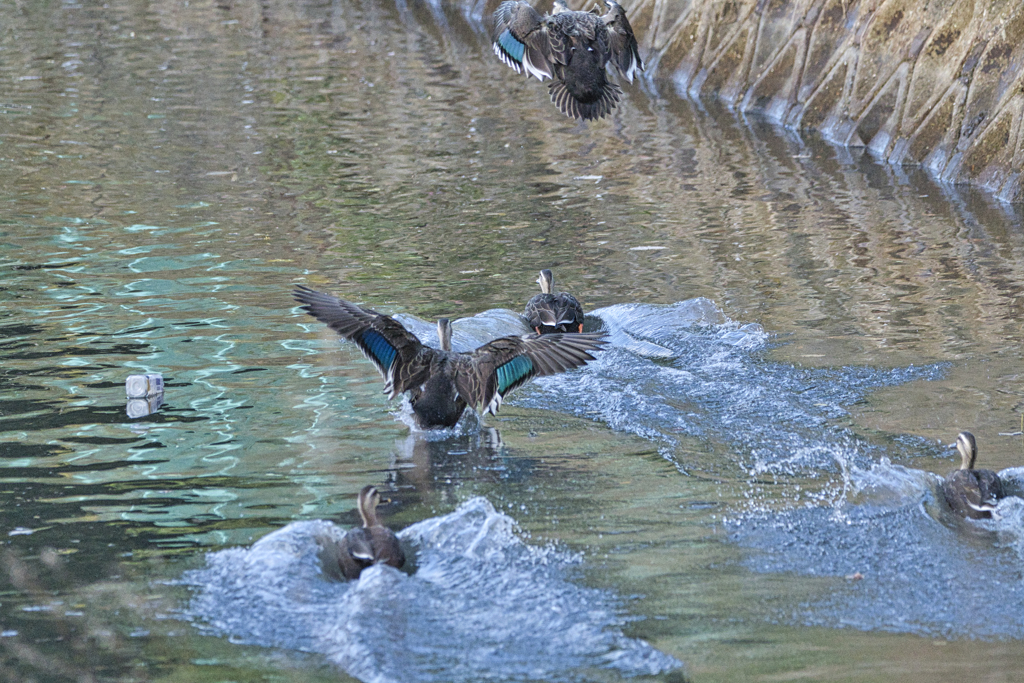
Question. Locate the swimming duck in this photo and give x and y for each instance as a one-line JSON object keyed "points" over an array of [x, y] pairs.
{"points": [[372, 543], [571, 48], [442, 382], [969, 492], [547, 312]]}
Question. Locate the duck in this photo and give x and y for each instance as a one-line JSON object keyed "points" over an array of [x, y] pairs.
{"points": [[372, 543], [969, 492], [442, 382], [572, 49], [549, 313]]}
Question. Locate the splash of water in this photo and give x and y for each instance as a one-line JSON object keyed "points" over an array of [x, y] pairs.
{"points": [[919, 569], [481, 605], [469, 333], [686, 369]]}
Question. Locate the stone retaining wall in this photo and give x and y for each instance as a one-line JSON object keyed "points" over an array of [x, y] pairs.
{"points": [[939, 83]]}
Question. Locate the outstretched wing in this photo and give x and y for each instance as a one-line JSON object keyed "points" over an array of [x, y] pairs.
{"points": [[487, 375], [624, 49], [521, 39], [397, 354]]}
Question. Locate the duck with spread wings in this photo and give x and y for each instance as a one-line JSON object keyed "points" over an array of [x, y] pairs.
{"points": [[442, 382], [572, 49]]}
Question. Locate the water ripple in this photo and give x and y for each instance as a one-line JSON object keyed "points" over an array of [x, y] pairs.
{"points": [[918, 569], [686, 369]]}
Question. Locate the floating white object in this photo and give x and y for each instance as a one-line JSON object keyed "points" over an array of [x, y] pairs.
{"points": [[141, 407], [144, 386]]}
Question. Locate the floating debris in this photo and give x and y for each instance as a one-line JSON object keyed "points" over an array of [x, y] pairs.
{"points": [[145, 394], [144, 386]]}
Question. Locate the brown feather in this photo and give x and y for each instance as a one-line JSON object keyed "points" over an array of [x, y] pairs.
{"points": [[413, 361], [554, 312], [530, 29], [971, 492], [372, 543], [625, 53], [573, 49], [441, 383]]}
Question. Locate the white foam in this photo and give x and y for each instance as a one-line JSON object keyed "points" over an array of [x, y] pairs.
{"points": [[481, 605]]}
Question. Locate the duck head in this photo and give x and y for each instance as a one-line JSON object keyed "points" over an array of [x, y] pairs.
{"points": [[968, 448], [546, 281], [369, 499]]}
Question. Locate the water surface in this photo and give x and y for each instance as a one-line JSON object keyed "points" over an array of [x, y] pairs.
{"points": [[797, 332]]}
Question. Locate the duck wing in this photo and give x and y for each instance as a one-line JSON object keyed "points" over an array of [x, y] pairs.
{"points": [[398, 355], [485, 376], [624, 48], [561, 312], [989, 486], [964, 494], [569, 312], [522, 39], [362, 547], [355, 553], [385, 546], [539, 311]]}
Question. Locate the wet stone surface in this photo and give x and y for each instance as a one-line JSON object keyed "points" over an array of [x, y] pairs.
{"points": [[932, 84]]}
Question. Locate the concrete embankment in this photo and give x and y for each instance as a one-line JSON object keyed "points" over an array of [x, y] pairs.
{"points": [[936, 83]]}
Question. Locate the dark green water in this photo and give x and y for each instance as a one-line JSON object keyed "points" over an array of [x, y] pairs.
{"points": [[169, 171]]}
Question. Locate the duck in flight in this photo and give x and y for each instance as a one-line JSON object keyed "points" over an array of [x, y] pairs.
{"points": [[442, 382], [969, 492], [548, 312], [572, 49]]}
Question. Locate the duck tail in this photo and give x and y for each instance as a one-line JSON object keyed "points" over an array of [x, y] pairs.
{"points": [[601, 106]]}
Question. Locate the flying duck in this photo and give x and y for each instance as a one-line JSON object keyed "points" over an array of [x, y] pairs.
{"points": [[969, 492], [547, 312], [442, 382], [572, 49]]}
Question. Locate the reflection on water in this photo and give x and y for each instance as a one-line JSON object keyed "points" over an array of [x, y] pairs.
{"points": [[437, 462], [783, 316]]}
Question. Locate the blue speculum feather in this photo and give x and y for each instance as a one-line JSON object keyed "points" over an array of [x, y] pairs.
{"points": [[512, 46], [513, 371], [379, 348]]}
